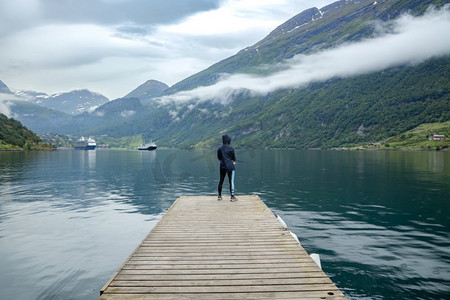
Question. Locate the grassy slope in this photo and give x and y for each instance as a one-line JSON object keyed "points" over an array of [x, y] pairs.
{"points": [[419, 138]]}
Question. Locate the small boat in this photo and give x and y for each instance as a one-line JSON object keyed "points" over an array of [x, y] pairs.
{"points": [[147, 146], [86, 144]]}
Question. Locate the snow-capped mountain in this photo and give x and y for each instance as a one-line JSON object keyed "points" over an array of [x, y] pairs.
{"points": [[74, 102]]}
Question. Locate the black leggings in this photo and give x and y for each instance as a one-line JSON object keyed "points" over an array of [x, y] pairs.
{"points": [[230, 180]]}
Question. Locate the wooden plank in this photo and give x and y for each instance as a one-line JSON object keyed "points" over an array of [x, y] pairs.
{"points": [[213, 255], [203, 248], [208, 249], [221, 271], [215, 276], [144, 265], [220, 289], [220, 282], [227, 296], [221, 239], [174, 252], [221, 245], [152, 261]]}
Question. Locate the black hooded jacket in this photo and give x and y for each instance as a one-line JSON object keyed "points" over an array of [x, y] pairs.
{"points": [[226, 155]]}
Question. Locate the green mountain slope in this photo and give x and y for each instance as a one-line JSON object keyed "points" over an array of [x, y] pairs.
{"points": [[355, 110], [420, 138], [15, 136]]}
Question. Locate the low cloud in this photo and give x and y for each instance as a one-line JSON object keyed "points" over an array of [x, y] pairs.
{"points": [[99, 113], [4, 108], [5, 102], [127, 113], [407, 40]]}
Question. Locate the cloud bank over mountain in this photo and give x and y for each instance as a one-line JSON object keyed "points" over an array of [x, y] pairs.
{"points": [[407, 40]]}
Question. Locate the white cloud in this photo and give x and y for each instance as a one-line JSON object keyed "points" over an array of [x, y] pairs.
{"points": [[412, 40], [4, 108], [99, 113], [127, 113]]}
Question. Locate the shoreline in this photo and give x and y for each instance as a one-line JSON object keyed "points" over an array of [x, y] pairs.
{"points": [[447, 149], [12, 149], [21, 150]]}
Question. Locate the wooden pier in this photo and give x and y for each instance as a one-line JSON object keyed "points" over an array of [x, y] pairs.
{"points": [[208, 249]]}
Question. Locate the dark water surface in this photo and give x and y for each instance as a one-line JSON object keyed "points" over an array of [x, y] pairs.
{"points": [[379, 220]]}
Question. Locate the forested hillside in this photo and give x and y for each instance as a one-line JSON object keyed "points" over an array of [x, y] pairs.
{"points": [[15, 136], [362, 109]]}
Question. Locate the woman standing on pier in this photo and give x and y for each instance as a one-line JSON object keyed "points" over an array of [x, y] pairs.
{"points": [[227, 161]]}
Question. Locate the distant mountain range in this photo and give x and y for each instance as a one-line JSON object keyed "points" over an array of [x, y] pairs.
{"points": [[322, 113], [79, 101], [73, 102]]}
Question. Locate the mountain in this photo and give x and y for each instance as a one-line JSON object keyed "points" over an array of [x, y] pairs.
{"points": [[335, 113], [20, 106], [4, 89], [15, 136], [119, 117], [148, 90], [324, 114], [73, 102], [309, 32], [329, 112]]}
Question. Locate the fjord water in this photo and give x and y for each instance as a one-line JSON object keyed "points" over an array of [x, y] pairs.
{"points": [[379, 220]]}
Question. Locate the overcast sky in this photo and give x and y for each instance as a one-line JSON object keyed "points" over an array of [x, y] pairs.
{"points": [[113, 46]]}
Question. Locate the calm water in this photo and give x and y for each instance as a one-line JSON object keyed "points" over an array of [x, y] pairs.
{"points": [[379, 220]]}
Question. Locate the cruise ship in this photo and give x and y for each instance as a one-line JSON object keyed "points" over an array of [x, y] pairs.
{"points": [[86, 144]]}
